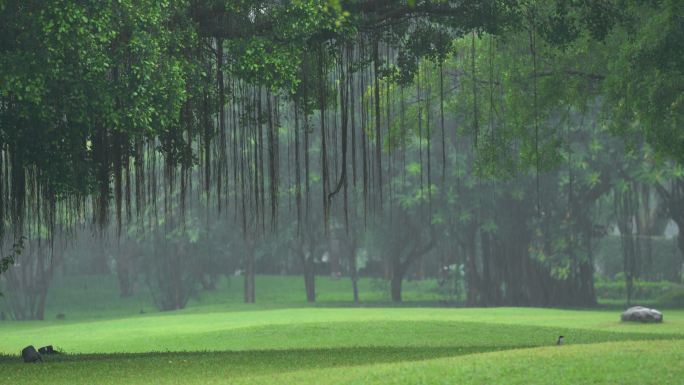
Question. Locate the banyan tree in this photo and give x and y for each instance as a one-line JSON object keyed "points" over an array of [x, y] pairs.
{"points": [[339, 114]]}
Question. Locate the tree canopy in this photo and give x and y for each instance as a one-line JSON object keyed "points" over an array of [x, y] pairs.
{"points": [[135, 109]]}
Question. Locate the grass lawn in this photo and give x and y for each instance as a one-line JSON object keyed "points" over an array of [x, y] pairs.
{"points": [[283, 341]]}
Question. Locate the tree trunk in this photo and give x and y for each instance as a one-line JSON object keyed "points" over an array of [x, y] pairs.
{"points": [[489, 289], [124, 274], [674, 200], [309, 273], [249, 290], [396, 288], [222, 120], [587, 296], [40, 310], [28, 285], [125, 284], [472, 276], [353, 273], [624, 209], [355, 286], [680, 239], [334, 254], [398, 272], [680, 244], [309, 280], [378, 129]]}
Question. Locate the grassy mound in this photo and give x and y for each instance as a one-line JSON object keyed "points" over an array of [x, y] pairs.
{"points": [[364, 346], [652, 362], [283, 340], [307, 328]]}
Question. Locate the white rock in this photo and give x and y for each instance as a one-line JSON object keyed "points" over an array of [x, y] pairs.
{"points": [[642, 314]]}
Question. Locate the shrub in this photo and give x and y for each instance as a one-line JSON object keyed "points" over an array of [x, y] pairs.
{"points": [[674, 297], [643, 290]]}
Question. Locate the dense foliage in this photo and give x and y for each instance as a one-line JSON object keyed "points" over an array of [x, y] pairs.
{"points": [[478, 132]]}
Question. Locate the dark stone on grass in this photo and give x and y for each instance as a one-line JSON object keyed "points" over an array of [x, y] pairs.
{"points": [[47, 350], [30, 355], [642, 314]]}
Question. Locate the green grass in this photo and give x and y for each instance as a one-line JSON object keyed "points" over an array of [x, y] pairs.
{"points": [[284, 341], [331, 328], [658, 362], [68, 294]]}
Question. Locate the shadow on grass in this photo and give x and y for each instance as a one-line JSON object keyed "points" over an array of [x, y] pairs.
{"points": [[265, 361]]}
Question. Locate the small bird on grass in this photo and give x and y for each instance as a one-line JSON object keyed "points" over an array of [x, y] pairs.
{"points": [[560, 340]]}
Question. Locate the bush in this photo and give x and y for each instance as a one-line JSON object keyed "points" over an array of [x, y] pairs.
{"points": [[674, 297], [643, 290]]}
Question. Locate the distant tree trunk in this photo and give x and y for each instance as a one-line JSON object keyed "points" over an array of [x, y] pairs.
{"points": [[387, 269], [624, 210], [472, 276], [586, 295], [396, 280], [378, 128], [45, 276], [124, 273], [400, 267], [353, 270], [334, 251], [674, 202], [309, 280], [309, 272], [42, 296], [489, 288], [355, 281], [222, 120], [680, 242], [249, 284], [28, 284]]}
